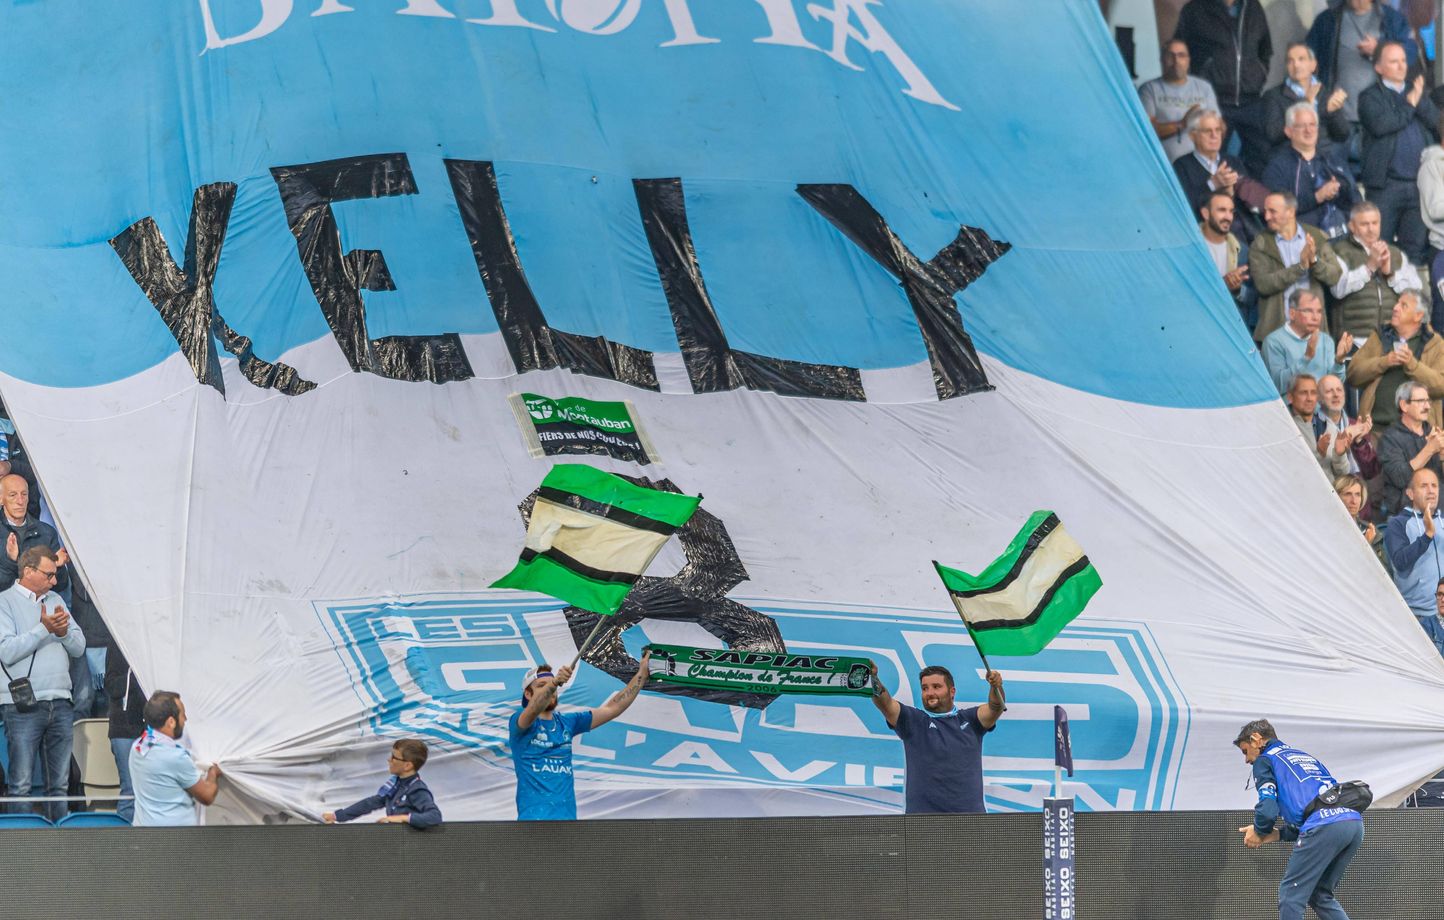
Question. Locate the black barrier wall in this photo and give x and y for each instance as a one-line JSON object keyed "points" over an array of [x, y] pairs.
{"points": [[1148, 866]]}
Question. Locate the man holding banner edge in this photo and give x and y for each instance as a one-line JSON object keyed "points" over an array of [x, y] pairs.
{"points": [[942, 745]]}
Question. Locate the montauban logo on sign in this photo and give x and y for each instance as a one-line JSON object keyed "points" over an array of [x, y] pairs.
{"points": [[840, 24]]}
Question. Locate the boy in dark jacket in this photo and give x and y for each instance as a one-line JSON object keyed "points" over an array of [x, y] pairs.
{"points": [[405, 796]]}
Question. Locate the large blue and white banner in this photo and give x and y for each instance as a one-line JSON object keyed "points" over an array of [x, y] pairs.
{"points": [[878, 278]]}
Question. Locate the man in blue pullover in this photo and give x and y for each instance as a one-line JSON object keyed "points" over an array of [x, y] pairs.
{"points": [[1414, 545], [1288, 782]]}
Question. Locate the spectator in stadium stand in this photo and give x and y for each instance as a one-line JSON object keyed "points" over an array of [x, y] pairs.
{"points": [[1398, 122], [541, 740], [1231, 49], [1412, 543], [1410, 444], [1289, 782], [1302, 86], [1354, 493], [21, 531], [37, 641], [1208, 169], [1300, 346], [1375, 274], [127, 721], [1340, 434], [1230, 254], [1172, 97], [404, 797], [1346, 54], [1404, 349], [1317, 176], [943, 769], [1303, 398], [1431, 211], [167, 782], [15, 459], [1292, 256]]}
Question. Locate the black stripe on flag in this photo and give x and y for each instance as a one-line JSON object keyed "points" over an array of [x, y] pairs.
{"points": [[580, 568], [1043, 601], [602, 510], [1049, 524]]}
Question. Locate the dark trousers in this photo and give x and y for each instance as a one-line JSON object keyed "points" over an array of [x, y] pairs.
{"points": [[1247, 119], [1315, 867], [1399, 218]]}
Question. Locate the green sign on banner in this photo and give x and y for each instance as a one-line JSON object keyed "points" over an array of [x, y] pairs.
{"points": [[760, 672], [573, 425]]}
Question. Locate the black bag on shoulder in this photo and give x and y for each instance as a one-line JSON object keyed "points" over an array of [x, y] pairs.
{"points": [[1354, 795], [20, 690]]}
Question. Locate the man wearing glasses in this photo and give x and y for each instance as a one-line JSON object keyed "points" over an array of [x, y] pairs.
{"points": [[37, 641], [1411, 444]]}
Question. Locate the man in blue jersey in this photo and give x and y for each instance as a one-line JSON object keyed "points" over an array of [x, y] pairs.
{"points": [[942, 745], [1289, 782], [541, 741]]}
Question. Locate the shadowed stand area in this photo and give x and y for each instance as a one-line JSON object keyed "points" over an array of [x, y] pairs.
{"points": [[1154, 866]]}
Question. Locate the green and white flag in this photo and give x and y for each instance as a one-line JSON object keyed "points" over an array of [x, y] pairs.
{"points": [[592, 535], [760, 672], [1027, 595]]}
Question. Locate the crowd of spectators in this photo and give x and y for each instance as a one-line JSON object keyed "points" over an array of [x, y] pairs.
{"points": [[54, 647], [1321, 202]]}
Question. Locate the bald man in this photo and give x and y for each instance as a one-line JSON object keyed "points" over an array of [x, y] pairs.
{"points": [[22, 531], [1414, 541]]}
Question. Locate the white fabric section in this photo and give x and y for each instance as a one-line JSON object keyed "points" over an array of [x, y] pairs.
{"points": [[1057, 551], [225, 539], [591, 540]]}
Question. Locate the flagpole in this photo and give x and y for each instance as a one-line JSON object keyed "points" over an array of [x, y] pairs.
{"points": [[977, 646], [582, 649]]}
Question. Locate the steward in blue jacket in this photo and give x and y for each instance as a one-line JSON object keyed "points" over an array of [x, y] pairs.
{"points": [[405, 797], [1288, 781]]}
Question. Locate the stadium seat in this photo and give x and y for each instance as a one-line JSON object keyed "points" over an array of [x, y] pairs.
{"points": [[9, 821], [98, 773], [92, 819]]}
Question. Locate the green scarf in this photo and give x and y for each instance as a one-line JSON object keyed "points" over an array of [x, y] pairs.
{"points": [[760, 672]]}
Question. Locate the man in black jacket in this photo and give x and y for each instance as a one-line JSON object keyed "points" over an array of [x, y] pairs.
{"points": [[1302, 86], [1208, 169], [1230, 46], [20, 531], [1398, 123]]}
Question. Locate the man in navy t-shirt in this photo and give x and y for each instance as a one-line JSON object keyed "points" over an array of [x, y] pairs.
{"points": [[942, 745], [541, 741]]}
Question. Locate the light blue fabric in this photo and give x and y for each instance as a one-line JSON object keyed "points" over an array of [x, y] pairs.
{"points": [[22, 634], [160, 776], [1064, 167]]}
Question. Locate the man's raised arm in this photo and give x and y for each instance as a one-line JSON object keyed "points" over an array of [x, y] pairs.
{"points": [[623, 698], [889, 707]]}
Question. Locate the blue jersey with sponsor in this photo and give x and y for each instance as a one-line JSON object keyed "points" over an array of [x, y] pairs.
{"points": [[542, 755], [944, 758], [1288, 779]]}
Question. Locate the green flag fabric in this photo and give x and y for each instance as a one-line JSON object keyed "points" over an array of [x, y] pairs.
{"points": [[761, 672], [592, 535], [1025, 597]]}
